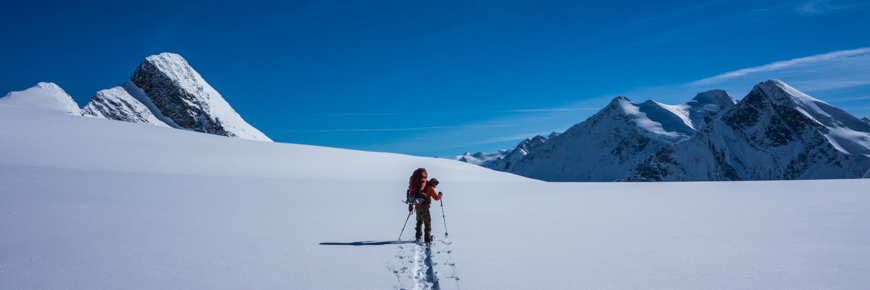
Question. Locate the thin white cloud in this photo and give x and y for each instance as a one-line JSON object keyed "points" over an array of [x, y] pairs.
{"points": [[819, 7], [781, 65]]}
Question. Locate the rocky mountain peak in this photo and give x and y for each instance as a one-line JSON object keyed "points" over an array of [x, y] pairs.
{"points": [[617, 105], [178, 92]]}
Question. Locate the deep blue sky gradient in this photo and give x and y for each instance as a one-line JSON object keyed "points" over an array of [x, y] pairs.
{"points": [[439, 77]]}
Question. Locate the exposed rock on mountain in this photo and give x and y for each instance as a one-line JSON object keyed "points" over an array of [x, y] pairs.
{"points": [[118, 104], [774, 133], [43, 96], [182, 95], [166, 91]]}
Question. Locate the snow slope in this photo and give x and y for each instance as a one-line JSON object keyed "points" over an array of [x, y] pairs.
{"points": [[87, 203], [43, 96]]}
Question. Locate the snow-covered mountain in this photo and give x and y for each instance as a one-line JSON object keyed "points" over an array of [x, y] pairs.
{"points": [[119, 104], [43, 96], [518, 153], [163, 91], [775, 133], [174, 95], [608, 144]]}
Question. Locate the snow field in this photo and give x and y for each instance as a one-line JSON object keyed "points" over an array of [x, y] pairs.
{"points": [[96, 204]]}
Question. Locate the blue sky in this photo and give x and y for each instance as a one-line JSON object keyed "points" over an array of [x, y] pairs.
{"points": [[438, 78]]}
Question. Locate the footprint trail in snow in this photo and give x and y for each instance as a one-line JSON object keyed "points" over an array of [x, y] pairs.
{"points": [[419, 268]]}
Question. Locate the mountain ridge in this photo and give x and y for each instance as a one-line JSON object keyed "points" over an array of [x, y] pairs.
{"points": [[164, 91], [609, 142], [775, 133]]}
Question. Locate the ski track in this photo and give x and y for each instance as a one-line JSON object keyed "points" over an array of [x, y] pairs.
{"points": [[420, 271], [449, 261]]}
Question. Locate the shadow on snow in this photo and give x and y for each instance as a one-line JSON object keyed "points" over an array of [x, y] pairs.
{"points": [[368, 243]]}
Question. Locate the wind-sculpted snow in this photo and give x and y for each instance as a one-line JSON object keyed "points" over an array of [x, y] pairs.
{"points": [[774, 133], [181, 94], [117, 104], [43, 96], [607, 145]]}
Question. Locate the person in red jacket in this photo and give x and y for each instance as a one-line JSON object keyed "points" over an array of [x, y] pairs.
{"points": [[423, 191]]}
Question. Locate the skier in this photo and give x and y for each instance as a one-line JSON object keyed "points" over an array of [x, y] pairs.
{"points": [[423, 191]]}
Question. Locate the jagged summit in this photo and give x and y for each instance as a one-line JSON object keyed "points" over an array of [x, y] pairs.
{"points": [[166, 91], [163, 91], [43, 96], [182, 95], [781, 94]]}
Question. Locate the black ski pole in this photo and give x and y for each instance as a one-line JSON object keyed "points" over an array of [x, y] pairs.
{"points": [[406, 224], [445, 219]]}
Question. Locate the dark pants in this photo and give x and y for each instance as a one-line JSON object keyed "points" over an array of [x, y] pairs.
{"points": [[423, 217]]}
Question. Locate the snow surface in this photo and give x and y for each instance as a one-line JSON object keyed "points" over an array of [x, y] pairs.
{"points": [[43, 96], [88, 203]]}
